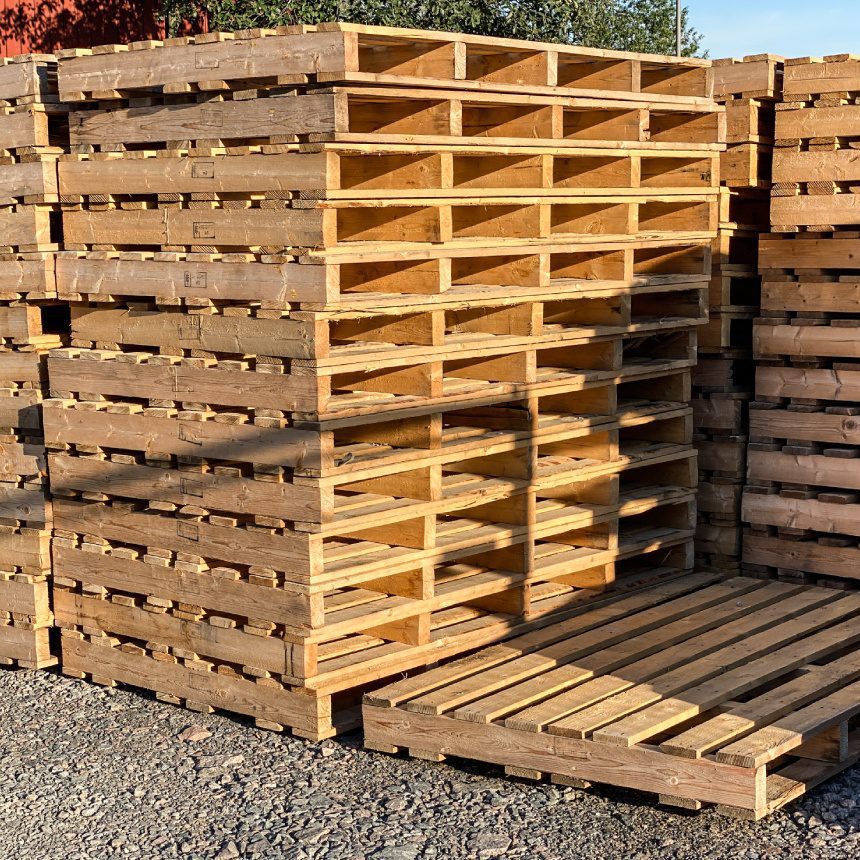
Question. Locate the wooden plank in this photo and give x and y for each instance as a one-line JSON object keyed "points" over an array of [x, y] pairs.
{"points": [[26, 178], [212, 385], [807, 556], [840, 165], [788, 733], [205, 588], [823, 297], [24, 646], [231, 59], [180, 279], [821, 77], [216, 227], [288, 552], [639, 768], [28, 275], [27, 225], [25, 505], [20, 322], [813, 469], [801, 514], [24, 128], [401, 691], [231, 645], [282, 172], [811, 341], [228, 120], [804, 123], [245, 335], [456, 696], [26, 598], [799, 252], [206, 489], [248, 443], [810, 426], [811, 209], [637, 660], [29, 549], [820, 384], [263, 702], [21, 367]]}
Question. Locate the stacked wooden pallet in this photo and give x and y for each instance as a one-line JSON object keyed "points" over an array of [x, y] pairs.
{"points": [[723, 379], [802, 502], [32, 129], [381, 351]]}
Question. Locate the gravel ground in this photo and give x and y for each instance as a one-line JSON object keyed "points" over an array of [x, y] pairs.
{"points": [[88, 773]]}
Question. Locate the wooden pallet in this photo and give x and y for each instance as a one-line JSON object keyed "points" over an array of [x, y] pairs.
{"points": [[338, 52], [697, 699], [370, 171], [375, 279], [386, 115], [397, 223]]}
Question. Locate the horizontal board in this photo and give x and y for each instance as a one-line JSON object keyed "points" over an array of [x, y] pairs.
{"points": [[245, 443], [244, 335], [824, 297], [810, 341], [288, 552], [260, 701], [222, 227], [818, 165], [23, 128], [179, 382], [242, 281], [812, 427], [807, 556], [205, 489], [821, 384], [813, 469], [290, 115], [768, 510], [291, 171], [841, 121], [215, 593]]}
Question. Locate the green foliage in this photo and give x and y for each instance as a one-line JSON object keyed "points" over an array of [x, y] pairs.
{"points": [[630, 25]]}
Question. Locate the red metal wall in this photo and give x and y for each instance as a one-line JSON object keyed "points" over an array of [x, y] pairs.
{"points": [[42, 26]]}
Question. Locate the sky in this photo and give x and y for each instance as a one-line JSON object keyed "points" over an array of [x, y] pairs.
{"points": [[792, 28]]}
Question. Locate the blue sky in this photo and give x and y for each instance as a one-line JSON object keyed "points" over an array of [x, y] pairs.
{"points": [[793, 28]]}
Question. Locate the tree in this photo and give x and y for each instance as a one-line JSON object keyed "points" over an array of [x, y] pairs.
{"points": [[629, 25]]}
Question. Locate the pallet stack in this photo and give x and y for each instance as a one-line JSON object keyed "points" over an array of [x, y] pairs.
{"points": [[381, 352], [723, 379], [32, 130], [802, 500]]}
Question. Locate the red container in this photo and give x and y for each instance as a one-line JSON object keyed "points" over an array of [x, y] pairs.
{"points": [[43, 26]]}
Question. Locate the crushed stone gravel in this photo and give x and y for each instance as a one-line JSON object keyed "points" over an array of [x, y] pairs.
{"points": [[88, 773]]}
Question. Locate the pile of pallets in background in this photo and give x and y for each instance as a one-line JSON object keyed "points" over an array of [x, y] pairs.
{"points": [[381, 351], [723, 379], [803, 498], [32, 130]]}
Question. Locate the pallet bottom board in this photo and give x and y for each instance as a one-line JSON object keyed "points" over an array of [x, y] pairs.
{"points": [[743, 694]]}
